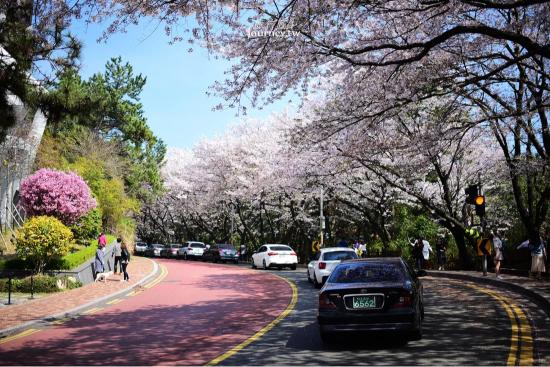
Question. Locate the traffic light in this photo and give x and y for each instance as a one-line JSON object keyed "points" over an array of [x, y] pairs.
{"points": [[479, 202], [471, 194]]}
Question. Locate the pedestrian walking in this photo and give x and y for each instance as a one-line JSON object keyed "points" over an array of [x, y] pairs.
{"points": [[99, 261], [441, 252], [117, 253], [417, 253], [498, 253], [124, 260], [426, 249], [102, 240], [538, 257], [363, 248]]}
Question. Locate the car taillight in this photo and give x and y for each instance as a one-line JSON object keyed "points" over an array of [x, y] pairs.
{"points": [[293, 253], [322, 265], [325, 302], [404, 299], [272, 253], [189, 249]]}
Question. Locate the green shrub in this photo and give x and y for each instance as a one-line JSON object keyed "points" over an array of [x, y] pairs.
{"points": [[40, 284], [88, 226], [41, 240]]}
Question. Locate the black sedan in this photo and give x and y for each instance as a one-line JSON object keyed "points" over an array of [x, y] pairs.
{"points": [[372, 295], [221, 252]]}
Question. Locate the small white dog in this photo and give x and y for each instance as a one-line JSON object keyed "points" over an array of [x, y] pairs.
{"points": [[103, 276]]}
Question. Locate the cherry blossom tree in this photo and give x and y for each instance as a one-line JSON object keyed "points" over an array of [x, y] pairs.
{"points": [[62, 195]]}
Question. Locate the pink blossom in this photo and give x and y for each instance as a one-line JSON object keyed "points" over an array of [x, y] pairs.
{"points": [[63, 195]]}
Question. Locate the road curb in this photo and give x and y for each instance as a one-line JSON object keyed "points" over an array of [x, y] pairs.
{"points": [[46, 319], [538, 299]]}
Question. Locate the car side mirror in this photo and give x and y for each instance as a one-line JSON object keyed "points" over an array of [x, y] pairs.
{"points": [[421, 273]]}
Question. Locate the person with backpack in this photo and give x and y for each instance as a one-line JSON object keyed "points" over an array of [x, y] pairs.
{"points": [[124, 260]]}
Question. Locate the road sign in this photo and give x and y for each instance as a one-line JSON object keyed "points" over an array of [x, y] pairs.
{"points": [[484, 246], [315, 246]]}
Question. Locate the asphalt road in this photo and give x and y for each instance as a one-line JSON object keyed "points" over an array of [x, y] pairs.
{"points": [[193, 313], [464, 325]]}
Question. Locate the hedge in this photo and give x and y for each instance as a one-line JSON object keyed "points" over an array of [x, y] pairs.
{"points": [[41, 284]]}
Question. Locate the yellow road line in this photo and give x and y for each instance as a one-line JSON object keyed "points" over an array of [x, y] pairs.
{"points": [[20, 335], [132, 293], [262, 331], [526, 352], [163, 274], [114, 301], [60, 321], [91, 311], [521, 340]]}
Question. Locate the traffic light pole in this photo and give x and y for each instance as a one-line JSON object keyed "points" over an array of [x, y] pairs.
{"points": [[484, 233]]}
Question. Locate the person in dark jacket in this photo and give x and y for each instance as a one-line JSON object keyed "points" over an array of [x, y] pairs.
{"points": [[124, 260], [99, 262]]}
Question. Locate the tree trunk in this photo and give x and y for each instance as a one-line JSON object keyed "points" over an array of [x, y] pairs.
{"points": [[460, 240]]}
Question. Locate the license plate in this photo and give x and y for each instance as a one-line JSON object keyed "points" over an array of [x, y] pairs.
{"points": [[363, 302]]}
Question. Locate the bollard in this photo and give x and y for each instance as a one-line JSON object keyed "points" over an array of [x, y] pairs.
{"points": [[32, 286], [9, 290]]}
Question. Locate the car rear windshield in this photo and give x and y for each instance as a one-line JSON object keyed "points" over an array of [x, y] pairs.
{"points": [[339, 255], [197, 245], [226, 246], [280, 248], [366, 272]]}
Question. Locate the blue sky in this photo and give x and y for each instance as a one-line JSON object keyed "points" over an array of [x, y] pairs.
{"points": [[174, 98]]}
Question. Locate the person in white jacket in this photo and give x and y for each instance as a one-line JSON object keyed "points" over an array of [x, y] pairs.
{"points": [[426, 249]]}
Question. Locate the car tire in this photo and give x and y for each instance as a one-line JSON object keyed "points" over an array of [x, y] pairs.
{"points": [[326, 338], [293, 267], [315, 282], [416, 335], [265, 265], [308, 277]]}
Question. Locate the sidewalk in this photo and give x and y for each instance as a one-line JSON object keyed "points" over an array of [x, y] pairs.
{"points": [[16, 317], [537, 291]]}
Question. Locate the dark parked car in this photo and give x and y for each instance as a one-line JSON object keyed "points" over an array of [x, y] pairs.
{"points": [[170, 250], [154, 250], [374, 294], [221, 252]]}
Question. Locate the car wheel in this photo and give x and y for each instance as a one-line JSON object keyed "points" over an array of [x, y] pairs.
{"points": [[315, 282], [308, 277], [416, 334], [235, 261], [265, 265], [327, 338], [293, 267]]}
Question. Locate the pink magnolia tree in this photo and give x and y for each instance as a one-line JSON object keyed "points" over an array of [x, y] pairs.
{"points": [[59, 194]]}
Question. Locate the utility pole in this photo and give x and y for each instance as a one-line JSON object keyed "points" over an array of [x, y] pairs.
{"points": [[322, 219]]}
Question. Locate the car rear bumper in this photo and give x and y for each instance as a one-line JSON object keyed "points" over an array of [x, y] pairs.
{"points": [[396, 320], [397, 326]]}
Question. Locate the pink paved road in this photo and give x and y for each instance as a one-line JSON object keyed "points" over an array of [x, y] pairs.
{"points": [[193, 315]]}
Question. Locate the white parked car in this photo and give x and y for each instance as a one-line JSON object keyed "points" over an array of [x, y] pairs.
{"points": [[191, 249], [324, 261], [277, 256]]}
